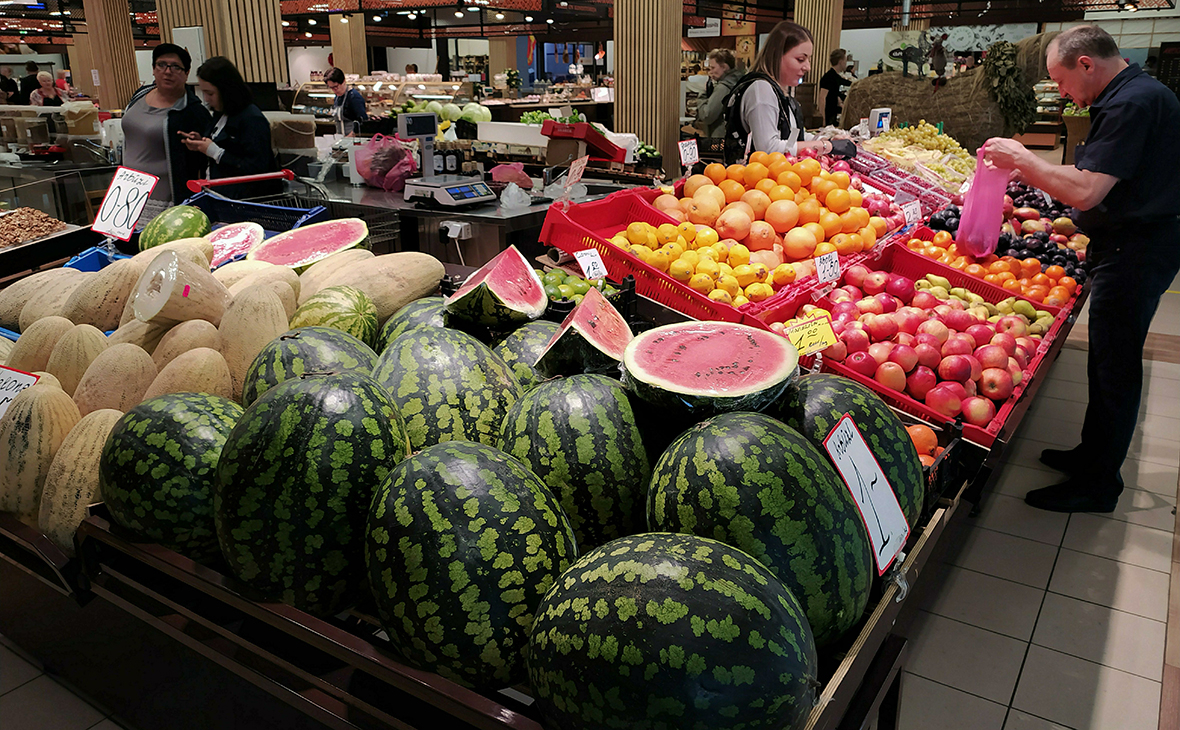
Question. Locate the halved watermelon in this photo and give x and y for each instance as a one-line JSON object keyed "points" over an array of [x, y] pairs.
{"points": [[506, 290], [709, 367], [306, 245], [233, 240], [592, 339]]}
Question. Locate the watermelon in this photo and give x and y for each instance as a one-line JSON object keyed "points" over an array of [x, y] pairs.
{"points": [[303, 246], [425, 312], [522, 348], [305, 350], [175, 223], [448, 385], [709, 367], [505, 291], [815, 403], [235, 240], [578, 435], [158, 470], [294, 485], [671, 631], [344, 308], [592, 339], [462, 543], [751, 482]]}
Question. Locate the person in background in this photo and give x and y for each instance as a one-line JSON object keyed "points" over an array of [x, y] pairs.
{"points": [[411, 68], [29, 83], [237, 142], [938, 56], [723, 76], [832, 85], [63, 83], [156, 121], [9, 90], [46, 94], [349, 105], [1124, 182]]}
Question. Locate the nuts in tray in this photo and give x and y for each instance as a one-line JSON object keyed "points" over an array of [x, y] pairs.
{"points": [[26, 224]]}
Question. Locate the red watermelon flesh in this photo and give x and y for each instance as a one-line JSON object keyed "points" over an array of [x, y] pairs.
{"points": [[234, 240], [504, 290], [308, 244], [592, 339]]}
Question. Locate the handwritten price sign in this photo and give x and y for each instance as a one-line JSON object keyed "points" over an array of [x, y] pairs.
{"points": [[591, 263], [827, 267], [812, 335], [120, 210], [576, 169], [12, 382], [912, 211], [689, 152]]}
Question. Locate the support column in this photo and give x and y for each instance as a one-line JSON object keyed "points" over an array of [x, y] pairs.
{"points": [[349, 49], [647, 73], [81, 63], [247, 32], [824, 18], [108, 23], [501, 55]]}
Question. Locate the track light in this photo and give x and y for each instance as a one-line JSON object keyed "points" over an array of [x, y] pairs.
{"points": [[528, 18], [311, 21], [499, 16]]}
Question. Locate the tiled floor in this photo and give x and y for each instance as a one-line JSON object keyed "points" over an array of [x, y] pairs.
{"points": [[32, 700]]}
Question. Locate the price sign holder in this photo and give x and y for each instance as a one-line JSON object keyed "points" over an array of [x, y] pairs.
{"points": [[591, 263], [912, 210], [12, 382], [812, 334], [124, 202], [689, 152], [577, 167], [878, 506], [827, 267]]}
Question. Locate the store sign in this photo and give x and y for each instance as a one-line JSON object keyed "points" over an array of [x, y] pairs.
{"points": [[689, 152], [576, 169], [827, 267], [591, 262], [712, 29], [12, 382], [912, 210], [879, 509], [127, 195], [812, 335]]}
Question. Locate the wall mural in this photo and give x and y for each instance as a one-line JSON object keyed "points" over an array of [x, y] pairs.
{"points": [[960, 39]]}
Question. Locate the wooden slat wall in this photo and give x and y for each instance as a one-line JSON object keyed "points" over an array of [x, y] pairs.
{"points": [[81, 64], [349, 48], [247, 32], [108, 23], [824, 19], [501, 55], [647, 73], [189, 14]]}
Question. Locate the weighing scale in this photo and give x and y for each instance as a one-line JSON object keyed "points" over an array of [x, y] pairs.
{"points": [[442, 191]]}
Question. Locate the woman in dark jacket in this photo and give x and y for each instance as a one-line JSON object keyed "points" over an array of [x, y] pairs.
{"points": [[349, 105], [238, 140]]}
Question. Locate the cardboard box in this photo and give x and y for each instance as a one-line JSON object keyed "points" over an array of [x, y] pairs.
{"points": [[32, 130]]}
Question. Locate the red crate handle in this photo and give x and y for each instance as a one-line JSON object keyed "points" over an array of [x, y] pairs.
{"points": [[197, 186]]}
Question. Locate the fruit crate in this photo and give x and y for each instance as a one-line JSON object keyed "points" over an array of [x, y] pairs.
{"points": [[273, 218], [597, 145]]}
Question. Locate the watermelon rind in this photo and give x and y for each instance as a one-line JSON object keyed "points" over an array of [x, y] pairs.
{"points": [[425, 312], [709, 368], [294, 484], [504, 291], [463, 541], [345, 308], [234, 240], [592, 339], [522, 347], [756, 484], [660, 630], [305, 350], [578, 435], [301, 247], [173, 224]]}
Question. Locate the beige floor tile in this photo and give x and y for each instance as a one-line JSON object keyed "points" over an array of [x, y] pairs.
{"points": [[1148, 475], [1017, 480], [1160, 451], [1018, 720], [927, 705], [967, 658], [1006, 556], [1166, 370], [1119, 540], [1011, 516], [1112, 638], [1047, 406], [1140, 507], [14, 671], [998, 605], [1121, 586], [1084, 695], [1025, 450], [43, 704], [1072, 369]]}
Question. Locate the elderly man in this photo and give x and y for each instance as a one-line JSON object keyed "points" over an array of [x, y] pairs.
{"points": [[1126, 186]]}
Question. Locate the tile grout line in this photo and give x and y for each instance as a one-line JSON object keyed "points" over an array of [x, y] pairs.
{"points": [[1170, 687], [22, 684], [944, 684]]}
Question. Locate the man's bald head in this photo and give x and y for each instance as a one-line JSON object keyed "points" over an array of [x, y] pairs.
{"points": [[1082, 40]]}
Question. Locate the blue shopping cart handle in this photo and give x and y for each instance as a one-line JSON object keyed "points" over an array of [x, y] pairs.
{"points": [[197, 186]]}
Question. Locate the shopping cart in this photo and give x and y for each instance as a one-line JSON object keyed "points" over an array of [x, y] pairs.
{"points": [[273, 217]]}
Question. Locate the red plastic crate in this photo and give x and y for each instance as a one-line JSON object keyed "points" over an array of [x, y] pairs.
{"points": [[598, 146]]}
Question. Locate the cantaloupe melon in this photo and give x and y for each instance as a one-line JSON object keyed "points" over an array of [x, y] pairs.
{"points": [[197, 250], [117, 379], [144, 334], [391, 281], [184, 337], [173, 290], [6, 346], [33, 348], [73, 353], [197, 371], [235, 271], [31, 432], [310, 281], [72, 483], [51, 300], [14, 296], [273, 273], [254, 319], [101, 299]]}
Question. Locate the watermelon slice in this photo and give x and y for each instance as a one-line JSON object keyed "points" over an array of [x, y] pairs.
{"points": [[709, 367], [304, 246], [504, 291], [592, 339], [233, 240]]}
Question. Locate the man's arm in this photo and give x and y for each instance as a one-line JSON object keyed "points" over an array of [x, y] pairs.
{"points": [[1081, 189]]}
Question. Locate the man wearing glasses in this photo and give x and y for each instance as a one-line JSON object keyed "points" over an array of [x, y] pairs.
{"points": [[158, 119]]}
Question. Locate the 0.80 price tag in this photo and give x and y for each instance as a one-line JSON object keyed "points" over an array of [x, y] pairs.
{"points": [[690, 154], [124, 201]]}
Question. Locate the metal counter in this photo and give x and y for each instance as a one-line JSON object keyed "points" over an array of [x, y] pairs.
{"points": [[68, 191]]}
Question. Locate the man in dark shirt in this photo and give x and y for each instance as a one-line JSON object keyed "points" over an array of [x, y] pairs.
{"points": [[831, 86], [8, 86], [1126, 185], [29, 83]]}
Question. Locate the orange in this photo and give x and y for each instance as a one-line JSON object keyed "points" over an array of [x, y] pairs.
{"points": [[850, 221], [821, 188], [959, 263], [755, 171], [1036, 293], [778, 167], [694, 183], [926, 459], [869, 235], [809, 211], [774, 157], [802, 195], [1012, 285], [1069, 283], [1055, 272], [862, 215], [924, 438], [757, 200], [816, 230], [736, 172], [703, 210], [799, 243], [1030, 266], [993, 279], [791, 179], [1055, 300], [684, 204], [715, 171], [811, 165], [998, 267], [744, 206], [1059, 292], [842, 179], [1042, 280], [782, 215], [975, 270], [838, 200], [733, 190], [844, 243], [759, 157], [860, 242], [781, 192], [803, 173], [765, 185], [941, 238], [915, 244], [823, 248], [831, 224], [856, 197], [1007, 276]]}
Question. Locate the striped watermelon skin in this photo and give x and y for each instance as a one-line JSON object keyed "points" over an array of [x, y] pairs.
{"points": [[663, 631], [463, 541], [345, 308], [158, 469], [815, 403], [751, 482], [578, 435], [294, 485], [505, 291], [175, 223], [448, 385], [521, 349], [425, 312], [305, 350]]}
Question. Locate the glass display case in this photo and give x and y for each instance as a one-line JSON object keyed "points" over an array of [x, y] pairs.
{"points": [[381, 96]]}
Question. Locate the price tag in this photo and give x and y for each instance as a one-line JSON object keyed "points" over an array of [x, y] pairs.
{"points": [[875, 499], [555, 113], [94, 76], [12, 382], [689, 154], [827, 267], [576, 169], [124, 201], [965, 186], [591, 263], [912, 210], [812, 334]]}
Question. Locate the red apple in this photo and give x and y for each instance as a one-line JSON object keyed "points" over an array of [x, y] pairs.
{"points": [[1012, 324], [944, 400], [959, 320], [955, 367], [955, 346], [996, 384], [924, 300], [981, 333], [1020, 356], [869, 305], [839, 295], [928, 355], [875, 283], [919, 382], [1009, 206], [902, 338], [855, 275], [891, 375], [978, 411], [1029, 345], [909, 321], [1015, 371], [956, 304], [958, 388], [881, 327], [992, 356], [888, 303], [925, 338], [969, 388], [905, 356], [901, 287], [845, 307], [862, 362], [1006, 341], [854, 339], [880, 351], [836, 352], [853, 292], [936, 328], [976, 368]]}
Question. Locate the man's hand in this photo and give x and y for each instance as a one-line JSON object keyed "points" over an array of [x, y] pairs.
{"points": [[1006, 154]]}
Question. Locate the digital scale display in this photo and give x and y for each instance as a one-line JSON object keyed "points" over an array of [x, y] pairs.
{"points": [[464, 192]]}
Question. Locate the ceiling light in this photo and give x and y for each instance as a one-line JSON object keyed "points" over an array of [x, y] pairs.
{"points": [[286, 24], [343, 18], [528, 18], [564, 4], [549, 21], [473, 10], [499, 16], [308, 34], [311, 21], [458, 13], [412, 16], [376, 18]]}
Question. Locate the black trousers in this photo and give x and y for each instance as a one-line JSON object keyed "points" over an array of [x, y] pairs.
{"points": [[1131, 271]]}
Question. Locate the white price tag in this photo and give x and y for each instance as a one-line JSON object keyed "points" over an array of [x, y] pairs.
{"points": [[555, 113], [875, 499], [827, 267], [12, 382], [124, 201], [576, 169], [591, 262], [94, 76], [912, 210], [689, 153], [965, 186]]}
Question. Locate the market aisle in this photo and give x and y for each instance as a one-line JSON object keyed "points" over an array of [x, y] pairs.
{"points": [[1048, 621], [32, 700]]}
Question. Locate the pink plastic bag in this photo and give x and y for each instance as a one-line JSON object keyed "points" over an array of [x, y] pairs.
{"points": [[983, 210], [512, 172], [385, 162]]}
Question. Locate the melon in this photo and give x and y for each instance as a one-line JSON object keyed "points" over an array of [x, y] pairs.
{"points": [[425, 312], [175, 223], [202, 370], [73, 353], [51, 300], [270, 273], [254, 319], [235, 271], [503, 292], [6, 346], [31, 432], [44, 378], [310, 280], [184, 337], [143, 334], [305, 351], [197, 250], [392, 281], [100, 300], [592, 339], [306, 245], [33, 348], [173, 290], [521, 349], [117, 379], [72, 484], [14, 296], [234, 240], [345, 308]]}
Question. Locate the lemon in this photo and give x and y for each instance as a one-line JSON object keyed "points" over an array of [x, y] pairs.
{"points": [[745, 275], [643, 253], [683, 242], [687, 230], [692, 258], [660, 260], [667, 232], [756, 292], [707, 252], [701, 282], [720, 295], [722, 251], [637, 232], [620, 240], [782, 275], [738, 255], [653, 241], [673, 248], [739, 301], [729, 284], [726, 269], [710, 268], [680, 270], [761, 272], [706, 237]]}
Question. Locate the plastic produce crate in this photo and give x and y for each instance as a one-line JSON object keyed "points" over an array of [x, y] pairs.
{"points": [[598, 146], [273, 218]]}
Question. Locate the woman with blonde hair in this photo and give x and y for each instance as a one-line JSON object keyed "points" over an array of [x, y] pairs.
{"points": [[46, 94]]}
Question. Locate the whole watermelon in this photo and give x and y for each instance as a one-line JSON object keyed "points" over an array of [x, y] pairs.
{"points": [[448, 385], [578, 434], [345, 308], [462, 543], [295, 481], [815, 403], [666, 631], [751, 482], [305, 350], [175, 223], [425, 312], [158, 470], [523, 347]]}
